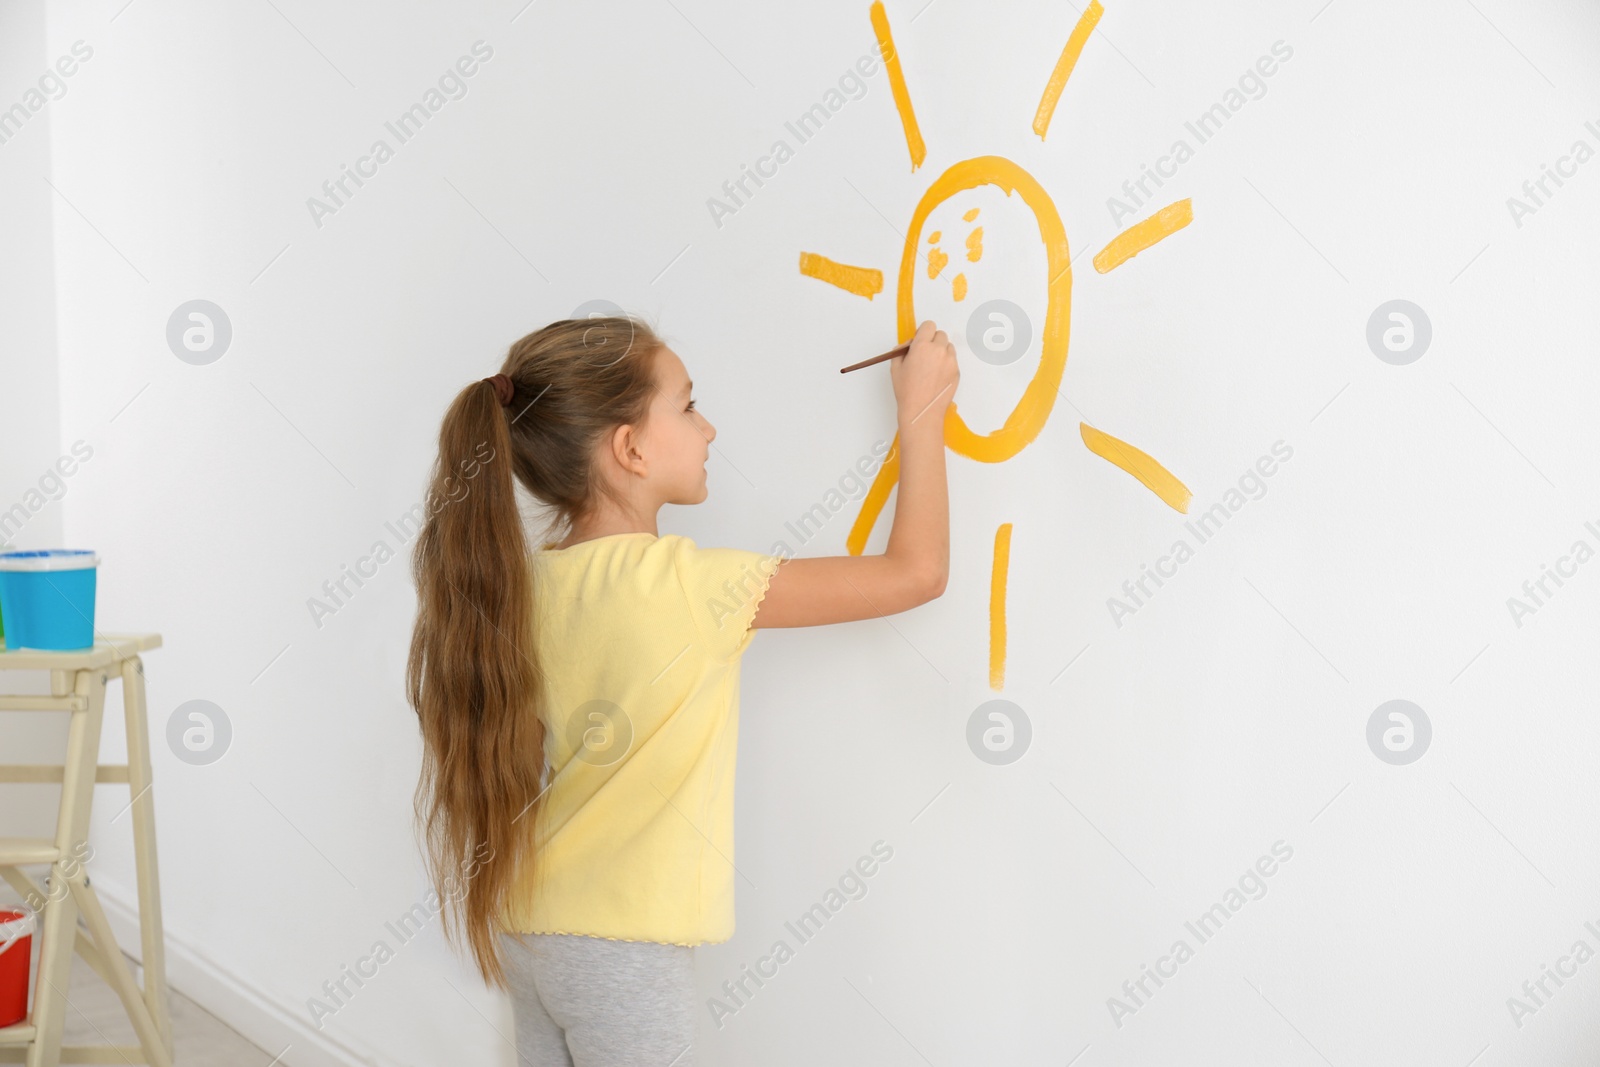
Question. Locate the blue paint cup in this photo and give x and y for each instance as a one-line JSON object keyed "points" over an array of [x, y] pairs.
{"points": [[47, 598]]}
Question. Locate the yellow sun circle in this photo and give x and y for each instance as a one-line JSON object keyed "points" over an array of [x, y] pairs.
{"points": [[1033, 409]]}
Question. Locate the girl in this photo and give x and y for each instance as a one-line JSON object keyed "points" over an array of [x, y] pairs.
{"points": [[579, 704]]}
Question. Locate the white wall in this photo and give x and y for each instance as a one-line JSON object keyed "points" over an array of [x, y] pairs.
{"points": [[1228, 714], [31, 491]]}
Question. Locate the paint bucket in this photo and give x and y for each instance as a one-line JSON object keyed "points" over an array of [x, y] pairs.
{"points": [[16, 955], [47, 598]]}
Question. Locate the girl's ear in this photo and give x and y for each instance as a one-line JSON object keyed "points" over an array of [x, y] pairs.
{"points": [[626, 450]]}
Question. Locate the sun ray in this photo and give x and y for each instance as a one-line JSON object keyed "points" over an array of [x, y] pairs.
{"points": [[1155, 477], [997, 606], [862, 281], [897, 85], [872, 504], [1141, 235], [1069, 59]]}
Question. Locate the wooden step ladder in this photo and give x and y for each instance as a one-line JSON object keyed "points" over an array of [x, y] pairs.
{"points": [[78, 686]]}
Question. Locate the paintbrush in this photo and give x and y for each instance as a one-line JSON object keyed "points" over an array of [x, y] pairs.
{"points": [[902, 350]]}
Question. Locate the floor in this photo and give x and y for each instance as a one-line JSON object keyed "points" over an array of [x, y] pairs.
{"points": [[95, 1017], [200, 1039]]}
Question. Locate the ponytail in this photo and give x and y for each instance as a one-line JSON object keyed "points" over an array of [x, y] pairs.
{"points": [[473, 676]]}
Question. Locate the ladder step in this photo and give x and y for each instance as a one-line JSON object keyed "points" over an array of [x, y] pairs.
{"points": [[43, 703], [114, 1054], [115, 773], [18, 1034], [15, 851]]}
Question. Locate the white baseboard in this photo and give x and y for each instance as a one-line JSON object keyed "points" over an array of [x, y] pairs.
{"points": [[261, 1019]]}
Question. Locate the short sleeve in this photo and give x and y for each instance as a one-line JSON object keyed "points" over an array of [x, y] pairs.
{"points": [[723, 587]]}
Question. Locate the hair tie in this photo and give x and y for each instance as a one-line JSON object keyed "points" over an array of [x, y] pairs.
{"points": [[503, 388]]}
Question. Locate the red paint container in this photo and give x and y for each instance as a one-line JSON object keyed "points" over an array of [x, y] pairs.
{"points": [[16, 954]]}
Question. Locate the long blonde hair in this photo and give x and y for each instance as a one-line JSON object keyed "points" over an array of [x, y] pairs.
{"points": [[473, 673]]}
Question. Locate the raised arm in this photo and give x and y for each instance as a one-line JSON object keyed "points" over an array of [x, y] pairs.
{"points": [[914, 567]]}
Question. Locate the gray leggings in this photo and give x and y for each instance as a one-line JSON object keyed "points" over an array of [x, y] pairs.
{"points": [[593, 1002]]}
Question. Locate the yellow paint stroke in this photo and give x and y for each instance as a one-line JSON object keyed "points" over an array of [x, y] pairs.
{"points": [[975, 244], [1141, 235], [936, 262], [1156, 478], [958, 287], [897, 85], [1025, 420], [1064, 65], [933, 238], [872, 504], [997, 606], [862, 281], [969, 216]]}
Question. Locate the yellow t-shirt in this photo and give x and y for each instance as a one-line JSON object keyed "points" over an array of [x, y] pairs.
{"points": [[640, 639]]}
